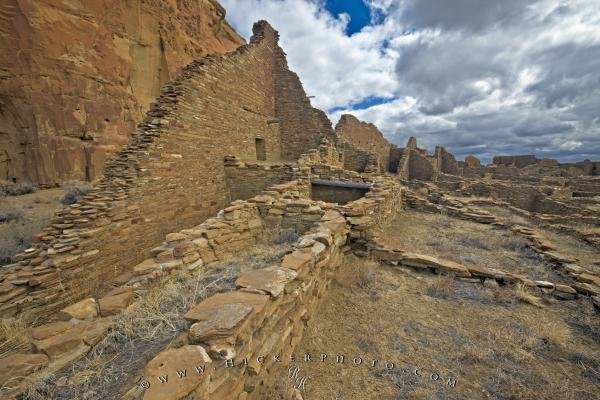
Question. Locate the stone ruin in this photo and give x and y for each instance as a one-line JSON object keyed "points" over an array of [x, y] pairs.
{"points": [[230, 152]]}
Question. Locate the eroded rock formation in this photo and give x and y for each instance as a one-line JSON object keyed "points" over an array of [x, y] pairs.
{"points": [[77, 77]]}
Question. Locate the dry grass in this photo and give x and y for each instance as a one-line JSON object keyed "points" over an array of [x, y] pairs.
{"points": [[14, 334], [556, 334], [442, 286], [356, 274], [466, 242], [23, 216], [17, 189], [151, 324], [525, 296], [494, 350], [74, 190]]}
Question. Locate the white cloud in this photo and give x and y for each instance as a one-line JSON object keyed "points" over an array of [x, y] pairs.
{"points": [[333, 67], [516, 76]]}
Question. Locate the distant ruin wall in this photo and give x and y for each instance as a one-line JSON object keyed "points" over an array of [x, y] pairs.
{"points": [[517, 161], [366, 137], [169, 177]]}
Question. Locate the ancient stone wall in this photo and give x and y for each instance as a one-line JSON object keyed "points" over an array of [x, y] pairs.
{"points": [[301, 125], [355, 159], [271, 307], [245, 180], [517, 161], [395, 157], [445, 162], [170, 176], [414, 165], [366, 137], [335, 193], [78, 76]]}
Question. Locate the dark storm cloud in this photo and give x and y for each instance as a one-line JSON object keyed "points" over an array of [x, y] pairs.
{"points": [[484, 70], [469, 15]]}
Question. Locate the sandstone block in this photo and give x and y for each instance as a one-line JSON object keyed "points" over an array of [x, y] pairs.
{"points": [[175, 237], [17, 366], [191, 362], [84, 310], [45, 331], [57, 345], [297, 260], [113, 305], [589, 278], [221, 323], [271, 280]]}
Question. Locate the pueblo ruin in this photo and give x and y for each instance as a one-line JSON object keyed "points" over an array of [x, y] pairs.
{"points": [[231, 230]]}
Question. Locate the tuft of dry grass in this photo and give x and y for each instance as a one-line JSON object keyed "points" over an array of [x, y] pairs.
{"points": [[525, 296], [359, 273], [556, 334], [14, 334], [442, 287]]}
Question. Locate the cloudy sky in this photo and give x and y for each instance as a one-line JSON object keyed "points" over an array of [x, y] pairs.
{"points": [[479, 77]]}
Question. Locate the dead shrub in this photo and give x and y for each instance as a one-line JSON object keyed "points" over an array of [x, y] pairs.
{"points": [[356, 274], [442, 286], [14, 334], [284, 236], [74, 191], [18, 239], [556, 334], [8, 214], [17, 189]]}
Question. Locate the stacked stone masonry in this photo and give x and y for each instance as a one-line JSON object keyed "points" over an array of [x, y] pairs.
{"points": [[218, 106]]}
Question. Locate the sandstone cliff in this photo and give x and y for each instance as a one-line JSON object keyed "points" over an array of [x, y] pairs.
{"points": [[76, 76]]}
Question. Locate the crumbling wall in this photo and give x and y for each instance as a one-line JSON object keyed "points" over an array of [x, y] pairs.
{"points": [[415, 166], [301, 125], [517, 161], [445, 162], [366, 137], [170, 176]]}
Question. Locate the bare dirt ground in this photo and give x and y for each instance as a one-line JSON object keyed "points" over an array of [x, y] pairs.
{"points": [[467, 243], [433, 328]]}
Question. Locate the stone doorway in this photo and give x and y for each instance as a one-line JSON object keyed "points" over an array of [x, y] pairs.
{"points": [[261, 150]]}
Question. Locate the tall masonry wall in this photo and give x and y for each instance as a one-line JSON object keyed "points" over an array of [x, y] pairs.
{"points": [[171, 176], [366, 137]]}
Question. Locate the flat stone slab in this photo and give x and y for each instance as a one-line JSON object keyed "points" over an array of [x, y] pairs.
{"points": [[175, 373], [423, 261], [271, 280], [17, 366], [113, 305], [84, 310], [296, 260], [221, 315], [219, 323]]}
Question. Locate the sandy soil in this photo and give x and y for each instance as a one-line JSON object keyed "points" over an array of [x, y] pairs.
{"points": [[493, 345]]}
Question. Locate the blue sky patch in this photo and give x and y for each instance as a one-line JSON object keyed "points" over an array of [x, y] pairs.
{"points": [[360, 13]]}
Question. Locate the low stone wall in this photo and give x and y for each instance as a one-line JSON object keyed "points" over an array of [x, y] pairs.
{"points": [[239, 339], [336, 193], [245, 180]]}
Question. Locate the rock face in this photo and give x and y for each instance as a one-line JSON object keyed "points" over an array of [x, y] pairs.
{"points": [[76, 77]]}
